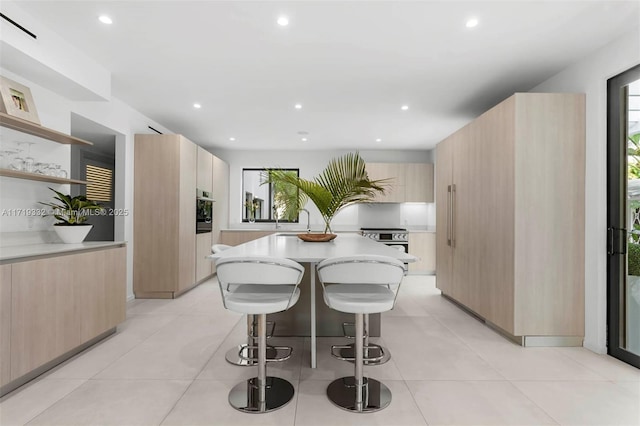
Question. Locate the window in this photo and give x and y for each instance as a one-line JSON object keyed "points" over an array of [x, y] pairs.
{"points": [[99, 186], [259, 199]]}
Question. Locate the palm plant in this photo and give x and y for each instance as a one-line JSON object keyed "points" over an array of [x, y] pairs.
{"points": [[343, 182]]}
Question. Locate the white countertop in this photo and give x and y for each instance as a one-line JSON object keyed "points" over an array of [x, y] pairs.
{"points": [[22, 252], [291, 247]]}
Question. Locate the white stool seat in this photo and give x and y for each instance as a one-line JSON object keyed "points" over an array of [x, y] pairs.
{"points": [[260, 299], [217, 248], [359, 299]]}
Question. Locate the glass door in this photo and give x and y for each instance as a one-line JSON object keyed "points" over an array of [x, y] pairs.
{"points": [[623, 216]]}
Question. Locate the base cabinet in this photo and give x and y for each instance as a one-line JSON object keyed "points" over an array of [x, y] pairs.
{"points": [[52, 306], [5, 324], [423, 246], [204, 266], [234, 238], [510, 215]]}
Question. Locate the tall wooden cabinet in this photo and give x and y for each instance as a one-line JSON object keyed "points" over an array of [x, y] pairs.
{"points": [[169, 257], [510, 215], [164, 215]]}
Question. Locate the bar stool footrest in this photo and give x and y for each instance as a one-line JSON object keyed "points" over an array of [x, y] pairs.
{"points": [[241, 355], [253, 335], [383, 354]]}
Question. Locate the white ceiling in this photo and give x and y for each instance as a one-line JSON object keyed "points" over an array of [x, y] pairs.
{"points": [[351, 64]]}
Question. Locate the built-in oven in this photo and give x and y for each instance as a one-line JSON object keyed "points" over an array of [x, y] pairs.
{"points": [[204, 212], [397, 238]]}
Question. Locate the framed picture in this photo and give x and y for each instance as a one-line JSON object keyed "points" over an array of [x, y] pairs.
{"points": [[16, 100]]}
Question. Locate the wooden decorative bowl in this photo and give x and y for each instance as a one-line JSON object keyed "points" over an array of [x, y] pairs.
{"points": [[317, 238]]}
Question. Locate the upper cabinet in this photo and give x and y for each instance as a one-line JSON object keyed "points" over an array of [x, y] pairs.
{"points": [[406, 182], [27, 127], [204, 180]]}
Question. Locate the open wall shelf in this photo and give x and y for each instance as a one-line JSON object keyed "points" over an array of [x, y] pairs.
{"points": [[43, 178], [40, 131]]}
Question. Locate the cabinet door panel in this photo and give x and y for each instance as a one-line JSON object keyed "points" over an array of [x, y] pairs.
{"points": [[496, 214], [5, 324], [59, 303], [203, 265], [418, 182], [423, 245], [444, 178], [204, 170], [187, 214]]}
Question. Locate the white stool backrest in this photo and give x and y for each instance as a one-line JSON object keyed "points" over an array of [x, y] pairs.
{"points": [[361, 269], [262, 270], [217, 248]]}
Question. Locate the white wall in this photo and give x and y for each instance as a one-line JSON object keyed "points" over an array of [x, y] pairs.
{"points": [[590, 76], [311, 163], [55, 112]]}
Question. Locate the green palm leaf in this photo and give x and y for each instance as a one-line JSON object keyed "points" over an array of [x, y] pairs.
{"points": [[343, 182]]}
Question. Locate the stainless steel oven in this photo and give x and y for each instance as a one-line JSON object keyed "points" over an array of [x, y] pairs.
{"points": [[204, 212], [398, 238]]}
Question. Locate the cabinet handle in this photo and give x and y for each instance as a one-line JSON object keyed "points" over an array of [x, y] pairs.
{"points": [[449, 215], [453, 215]]}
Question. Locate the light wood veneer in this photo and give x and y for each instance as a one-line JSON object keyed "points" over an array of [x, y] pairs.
{"points": [[517, 257]]}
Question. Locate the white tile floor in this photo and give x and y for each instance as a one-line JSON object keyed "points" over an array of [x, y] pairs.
{"points": [[166, 366]]}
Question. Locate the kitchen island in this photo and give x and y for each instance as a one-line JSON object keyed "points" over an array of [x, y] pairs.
{"points": [[300, 320]]}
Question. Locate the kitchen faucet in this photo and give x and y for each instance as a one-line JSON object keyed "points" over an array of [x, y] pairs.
{"points": [[308, 220]]}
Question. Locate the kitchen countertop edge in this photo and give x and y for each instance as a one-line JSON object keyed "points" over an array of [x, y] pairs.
{"points": [[10, 254]]}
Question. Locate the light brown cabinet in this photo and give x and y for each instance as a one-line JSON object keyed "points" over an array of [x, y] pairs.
{"points": [[510, 214], [164, 215], [204, 267], [407, 182], [234, 238], [5, 324], [60, 303], [423, 246], [418, 183], [221, 195], [204, 170]]}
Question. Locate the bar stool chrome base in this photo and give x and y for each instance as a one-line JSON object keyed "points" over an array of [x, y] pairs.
{"points": [[243, 356], [375, 395], [245, 396], [348, 354]]}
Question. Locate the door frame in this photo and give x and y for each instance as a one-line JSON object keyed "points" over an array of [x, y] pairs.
{"points": [[616, 214]]}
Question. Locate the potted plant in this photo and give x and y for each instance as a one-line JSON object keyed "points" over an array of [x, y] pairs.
{"points": [[343, 182], [72, 214]]}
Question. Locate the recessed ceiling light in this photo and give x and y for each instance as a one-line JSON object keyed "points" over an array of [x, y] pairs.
{"points": [[232, 139], [298, 106], [304, 139], [197, 106], [283, 21], [404, 107], [472, 22], [105, 19], [378, 140]]}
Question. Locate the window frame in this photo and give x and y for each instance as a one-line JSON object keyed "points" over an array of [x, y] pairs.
{"points": [[244, 209]]}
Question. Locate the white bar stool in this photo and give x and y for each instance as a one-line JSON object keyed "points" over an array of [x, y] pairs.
{"points": [[245, 354], [364, 284], [259, 285]]}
